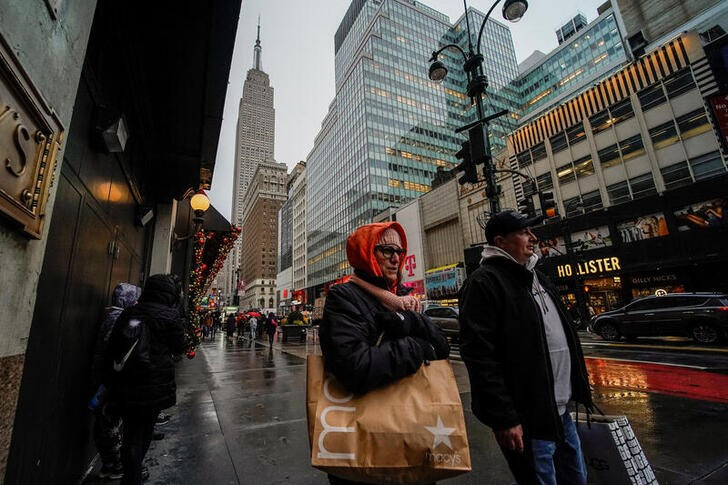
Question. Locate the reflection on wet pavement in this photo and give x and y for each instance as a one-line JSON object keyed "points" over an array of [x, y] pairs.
{"points": [[240, 418]]}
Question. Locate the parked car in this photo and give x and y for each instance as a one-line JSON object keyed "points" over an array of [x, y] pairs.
{"points": [[702, 316], [445, 317]]}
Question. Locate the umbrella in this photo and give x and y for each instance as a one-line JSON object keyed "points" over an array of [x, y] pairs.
{"points": [[254, 314]]}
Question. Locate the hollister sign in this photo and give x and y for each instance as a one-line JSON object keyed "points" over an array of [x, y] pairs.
{"points": [[593, 266]]}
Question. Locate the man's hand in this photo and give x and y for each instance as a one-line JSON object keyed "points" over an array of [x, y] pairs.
{"points": [[511, 438]]}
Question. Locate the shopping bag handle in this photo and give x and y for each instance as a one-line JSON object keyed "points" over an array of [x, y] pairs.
{"points": [[588, 413]]}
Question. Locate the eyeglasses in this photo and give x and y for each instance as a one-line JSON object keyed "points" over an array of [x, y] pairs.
{"points": [[389, 251]]}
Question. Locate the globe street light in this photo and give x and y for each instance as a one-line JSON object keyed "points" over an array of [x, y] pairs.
{"points": [[513, 10]]}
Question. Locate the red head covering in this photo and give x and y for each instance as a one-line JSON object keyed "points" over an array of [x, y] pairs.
{"points": [[361, 242]]}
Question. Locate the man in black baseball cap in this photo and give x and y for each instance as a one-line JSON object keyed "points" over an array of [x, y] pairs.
{"points": [[519, 386], [508, 221]]}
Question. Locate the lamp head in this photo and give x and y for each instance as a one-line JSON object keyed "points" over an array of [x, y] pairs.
{"points": [[438, 71], [513, 10], [199, 202]]}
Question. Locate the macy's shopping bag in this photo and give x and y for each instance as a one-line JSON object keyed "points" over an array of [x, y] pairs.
{"points": [[411, 431], [612, 453]]}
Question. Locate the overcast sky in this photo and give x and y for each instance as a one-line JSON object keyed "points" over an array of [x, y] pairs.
{"points": [[298, 54]]}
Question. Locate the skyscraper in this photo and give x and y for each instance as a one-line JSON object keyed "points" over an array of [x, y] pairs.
{"points": [[389, 127], [254, 142]]}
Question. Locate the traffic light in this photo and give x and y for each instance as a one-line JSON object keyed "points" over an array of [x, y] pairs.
{"points": [[478, 137], [526, 207], [467, 165], [548, 204]]}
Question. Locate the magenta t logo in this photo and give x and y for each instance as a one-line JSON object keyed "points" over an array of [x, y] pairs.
{"points": [[410, 264]]}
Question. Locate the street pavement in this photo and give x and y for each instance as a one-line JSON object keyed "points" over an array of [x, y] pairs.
{"points": [[240, 419]]}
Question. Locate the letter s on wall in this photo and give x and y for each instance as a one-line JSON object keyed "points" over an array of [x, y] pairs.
{"points": [[21, 137]]}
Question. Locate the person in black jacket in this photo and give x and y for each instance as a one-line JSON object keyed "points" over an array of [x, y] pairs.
{"points": [[523, 357], [372, 333], [142, 382]]}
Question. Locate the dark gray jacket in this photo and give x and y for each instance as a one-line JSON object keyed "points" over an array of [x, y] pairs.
{"points": [[503, 344]]}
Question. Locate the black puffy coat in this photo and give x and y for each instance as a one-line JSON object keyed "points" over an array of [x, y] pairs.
{"points": [[149, 386], [503, 344], [349, 334]]}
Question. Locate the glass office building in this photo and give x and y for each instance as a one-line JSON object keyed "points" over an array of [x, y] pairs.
{"points": [[587, 56], [389, 127]]}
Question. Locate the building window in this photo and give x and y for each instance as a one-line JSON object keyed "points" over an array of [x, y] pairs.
{"points": [[663, 135], [565, 174], [621, 111], [600, 121], [676, 175], [573, 206], [584, 166], [538, 151], [575, 134], [693, 123], [706, 166], [618, 192], [591, 201], [558, 142], [608, 156], [642, 185], [681, 82], [524, 159], [651, 97], [544, 181], [632, 147]]}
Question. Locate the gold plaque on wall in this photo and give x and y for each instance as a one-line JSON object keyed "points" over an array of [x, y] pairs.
{"points": [[30, 137]]}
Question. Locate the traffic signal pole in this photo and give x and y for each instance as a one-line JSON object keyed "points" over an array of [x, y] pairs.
{"points": [[478, 144]]}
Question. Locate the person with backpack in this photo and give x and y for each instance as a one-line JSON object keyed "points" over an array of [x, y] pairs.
{"points": [[141, 378], [107, 424]]}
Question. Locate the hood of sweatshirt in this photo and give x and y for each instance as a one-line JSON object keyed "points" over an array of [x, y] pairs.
{"points": [[496, 252], [125, 294]]}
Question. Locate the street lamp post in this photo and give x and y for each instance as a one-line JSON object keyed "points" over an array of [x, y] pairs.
{"points": [[479, 143]]}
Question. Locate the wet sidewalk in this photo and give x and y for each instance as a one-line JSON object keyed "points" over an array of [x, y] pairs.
{"points": [[240, 418]]}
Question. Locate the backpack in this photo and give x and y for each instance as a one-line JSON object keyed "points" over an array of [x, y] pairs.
{"points": [[129, 345]]}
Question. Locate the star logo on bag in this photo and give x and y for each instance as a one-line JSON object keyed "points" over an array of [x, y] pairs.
{"points": [[441, 434]]}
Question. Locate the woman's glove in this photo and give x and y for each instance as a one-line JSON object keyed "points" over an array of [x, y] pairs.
{"points": [[401, 324], [428, 351]]}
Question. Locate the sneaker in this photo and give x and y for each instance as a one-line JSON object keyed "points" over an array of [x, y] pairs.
{"points": [[163, 418], [112, 472]]}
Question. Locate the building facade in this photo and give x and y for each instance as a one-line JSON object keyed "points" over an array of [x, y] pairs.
{"points": [[639, 172], [254, 143], [94, 156], [297, 195], [259, 248], [389, 127]]}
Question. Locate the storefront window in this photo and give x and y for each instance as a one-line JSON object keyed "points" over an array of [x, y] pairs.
{"points": [[597, 237], [644, 227], [703, 215]]}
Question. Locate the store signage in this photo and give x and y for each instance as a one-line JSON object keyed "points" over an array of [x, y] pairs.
{"points": [[593, 266], [662, 278], [30, 138]]}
